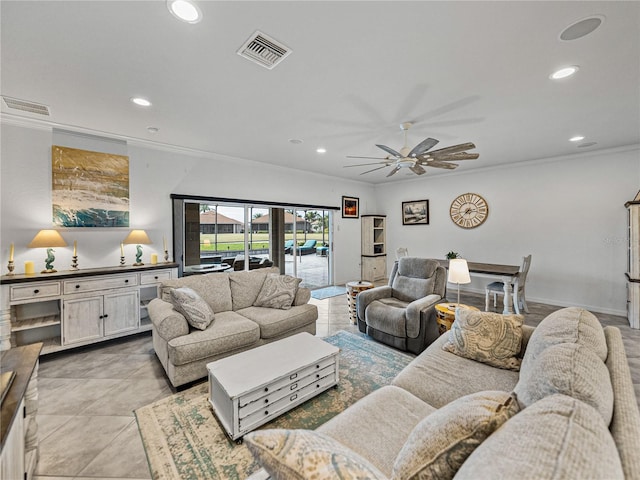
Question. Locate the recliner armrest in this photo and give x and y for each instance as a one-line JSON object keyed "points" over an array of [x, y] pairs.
{"points": [[415, 309], [365, 297], [166, 320]]}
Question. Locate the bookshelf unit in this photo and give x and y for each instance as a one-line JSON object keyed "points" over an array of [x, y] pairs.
{"points": [[633, 263], [374, 247]]}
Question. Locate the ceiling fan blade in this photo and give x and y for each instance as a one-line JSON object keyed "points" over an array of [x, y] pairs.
{"points": [[372, 158], [455, 157], [453, 149], [417, 169], [366, 164], [389, 150], [396, 168], [423, 146], [378, 168], [435, 163]]}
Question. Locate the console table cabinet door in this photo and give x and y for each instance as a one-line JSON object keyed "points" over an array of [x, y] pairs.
{"points": [[82, 320], [121, 312]]}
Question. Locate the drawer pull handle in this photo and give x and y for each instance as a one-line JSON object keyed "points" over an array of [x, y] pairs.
{"points": [[101, 316], [106, 315], [291, 377], [266, 400], [36, 291], [318, 385], [266, 389], [156, 277], [266, 412], [77, 286], [126, 281], [293, 397], [317, 366], [293, 387], [317, 375]]}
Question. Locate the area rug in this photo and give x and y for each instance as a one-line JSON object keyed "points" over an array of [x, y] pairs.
{"points": [[183, 440], [327, 292]]}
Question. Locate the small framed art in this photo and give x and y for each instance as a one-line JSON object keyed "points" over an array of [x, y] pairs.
{"points": [[415, 212], [350, 207]]}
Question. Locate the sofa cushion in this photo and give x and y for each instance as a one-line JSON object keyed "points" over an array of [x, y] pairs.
{"points": [[557, 437], [275, 323], [378, 425], [486, 337], [245, 286], [567, 325], [197, 312], [229, 332], [438, 377], [441, 442], [303, 454], [278, 291], [212, 287], [571, 369]]}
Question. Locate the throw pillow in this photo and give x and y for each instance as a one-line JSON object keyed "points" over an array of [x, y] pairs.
{"points": [[303, 454], [571, 369], [557, 437], [278, 291], [438, 446], [486, 337], [197, 312]]}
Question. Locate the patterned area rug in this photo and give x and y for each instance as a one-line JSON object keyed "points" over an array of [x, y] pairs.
{"points": [[327, 292], [183, 440]]}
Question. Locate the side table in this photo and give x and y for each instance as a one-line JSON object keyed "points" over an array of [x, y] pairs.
{"points": [[446, 314], [353, 289]]}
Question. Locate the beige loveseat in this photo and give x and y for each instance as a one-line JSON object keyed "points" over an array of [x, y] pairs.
{"points": [[238, 325], [569, 413]]}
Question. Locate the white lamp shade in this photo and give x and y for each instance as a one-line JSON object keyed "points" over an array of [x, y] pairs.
{"points": [[458, 271], [137, 237], [47, 239]]}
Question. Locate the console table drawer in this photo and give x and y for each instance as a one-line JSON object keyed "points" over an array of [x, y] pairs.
{"points": [[154, 277], [38, 290], [102, 283]]}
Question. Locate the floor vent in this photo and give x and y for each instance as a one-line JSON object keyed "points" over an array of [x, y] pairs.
{"points": [[263, 50], [26, 106]]}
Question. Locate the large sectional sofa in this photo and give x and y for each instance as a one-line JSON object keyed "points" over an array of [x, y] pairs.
{"points": [[238, 324], [570, 412]]}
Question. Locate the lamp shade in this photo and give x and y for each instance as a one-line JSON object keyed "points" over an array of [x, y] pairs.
{"points": [[47, 239], [458, 271], [137, 237]]}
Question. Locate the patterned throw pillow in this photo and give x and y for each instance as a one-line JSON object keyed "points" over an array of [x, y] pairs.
{"points": [[303, 454], [278, 291], [197, 312], [486, 337], [438, 446]]}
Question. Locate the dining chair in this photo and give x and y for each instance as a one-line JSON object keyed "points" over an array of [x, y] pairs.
{"points": [[402, 252], [519, 299]]}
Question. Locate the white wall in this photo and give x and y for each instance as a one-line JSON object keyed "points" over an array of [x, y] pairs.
{"points": [[567, 212], [155, 173]]}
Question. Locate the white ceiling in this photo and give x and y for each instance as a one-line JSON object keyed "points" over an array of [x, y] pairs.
{"points": [[462, 71]]}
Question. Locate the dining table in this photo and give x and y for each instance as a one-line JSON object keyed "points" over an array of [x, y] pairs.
{"points": [[507, 273]]}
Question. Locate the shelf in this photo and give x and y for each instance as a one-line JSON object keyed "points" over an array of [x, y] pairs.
{"points": [[51, 345], [32, 323]]}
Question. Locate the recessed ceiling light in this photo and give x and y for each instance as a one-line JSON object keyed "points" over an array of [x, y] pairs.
{"points": [[295, 141], [577, 138], [564, 72], [153, 129], [581, 28], [321, 150], [143, 102], [185, 10]]}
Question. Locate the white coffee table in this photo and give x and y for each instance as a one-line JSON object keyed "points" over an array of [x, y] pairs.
{"points": [[250, 388]]}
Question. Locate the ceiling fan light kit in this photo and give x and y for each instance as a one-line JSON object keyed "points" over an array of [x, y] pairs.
{"points": [[420, 156]]}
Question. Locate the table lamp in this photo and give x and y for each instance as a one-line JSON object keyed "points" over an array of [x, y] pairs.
{"points": [[458, 273], [140, 238], [48, 239]]}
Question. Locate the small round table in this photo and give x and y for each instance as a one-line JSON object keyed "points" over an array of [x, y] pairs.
{"points": [[353, 289], [446, 314]]}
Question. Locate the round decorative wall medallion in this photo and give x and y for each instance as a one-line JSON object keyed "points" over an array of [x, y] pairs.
{"points": [[469, 210]]}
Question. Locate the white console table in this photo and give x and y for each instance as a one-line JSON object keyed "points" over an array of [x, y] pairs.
{"points": [[78, 307]]}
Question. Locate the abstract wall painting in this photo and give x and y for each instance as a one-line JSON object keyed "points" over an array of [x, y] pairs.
{"points": [[90, 189]]}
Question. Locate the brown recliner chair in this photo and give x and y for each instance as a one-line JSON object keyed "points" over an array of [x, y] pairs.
{"points": [[402, 313]]}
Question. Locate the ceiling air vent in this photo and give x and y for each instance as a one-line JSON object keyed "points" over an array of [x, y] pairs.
{"points": [[264, 50], [26, 106]]}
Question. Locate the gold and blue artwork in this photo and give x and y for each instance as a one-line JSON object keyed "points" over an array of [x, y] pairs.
{"points": [[90, 189]]}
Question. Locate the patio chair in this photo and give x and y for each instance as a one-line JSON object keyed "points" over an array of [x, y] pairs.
{"points": [[288, 247], [308, 247]]}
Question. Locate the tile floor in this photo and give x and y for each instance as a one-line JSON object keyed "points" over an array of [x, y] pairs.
{"points": [[87, 429]]}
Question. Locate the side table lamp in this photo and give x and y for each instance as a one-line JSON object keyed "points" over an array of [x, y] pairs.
{"points": [[138, 237], [48, 239], [458, 273]]}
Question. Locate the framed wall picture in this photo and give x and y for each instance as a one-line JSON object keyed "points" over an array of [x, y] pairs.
{"points": [[415, 212], [350, 207]]}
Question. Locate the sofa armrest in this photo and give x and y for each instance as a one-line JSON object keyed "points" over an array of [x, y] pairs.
{"points": [[166, 320], [365, 297], [303, 295], [415, 309]]}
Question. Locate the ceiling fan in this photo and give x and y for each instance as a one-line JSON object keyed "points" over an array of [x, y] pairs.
{"points": [[419, 156]]}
